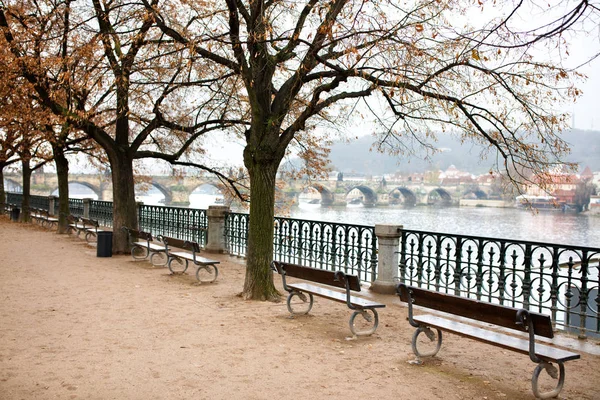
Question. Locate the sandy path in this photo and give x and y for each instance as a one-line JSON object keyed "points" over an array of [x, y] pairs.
{"points": [[74, 326]]}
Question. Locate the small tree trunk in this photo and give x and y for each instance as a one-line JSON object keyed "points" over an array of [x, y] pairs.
{"points": [[259, 277], [62, 174], [26, 169], [2, 192], [124, 205]]}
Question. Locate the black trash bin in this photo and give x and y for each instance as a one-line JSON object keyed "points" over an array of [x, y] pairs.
{"points": [[15, 213], [104, 244]]}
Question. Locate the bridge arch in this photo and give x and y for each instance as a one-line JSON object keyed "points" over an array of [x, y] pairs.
{"points": [[11, 185], [475, 193], [369, 197], [327, 197], [439, 197], [97, 191], [402, 196], [168, 195]]}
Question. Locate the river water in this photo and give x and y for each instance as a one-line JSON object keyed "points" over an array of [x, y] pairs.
{"points": [[502, 223]]}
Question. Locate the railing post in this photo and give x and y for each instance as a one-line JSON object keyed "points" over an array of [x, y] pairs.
{"points": [[388, 237], [86, 207], [51, 204], [215, 242]]}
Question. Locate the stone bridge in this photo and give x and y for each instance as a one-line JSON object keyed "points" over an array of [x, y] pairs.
{"points": [[177, 190], [372, 193]]}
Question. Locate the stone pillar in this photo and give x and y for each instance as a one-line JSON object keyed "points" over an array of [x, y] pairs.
{"points": [[388, 237], [215, 242], [51, 204], [86, 207]]}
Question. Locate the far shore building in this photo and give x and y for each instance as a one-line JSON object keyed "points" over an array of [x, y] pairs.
{"points": [[563, 191]]}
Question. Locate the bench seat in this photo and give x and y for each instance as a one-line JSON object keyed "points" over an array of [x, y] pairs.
{"points": [[535, 325], [334, 295], [151, 246], [190, 256], [178, 261], [142, 247], [508, 342], [298, 303]]}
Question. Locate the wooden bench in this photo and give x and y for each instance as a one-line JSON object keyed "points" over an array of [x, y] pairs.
{"points": [[91, 227], [142, 246], [206, 269], [495, 315], [369, 321], [74, 225], [43, 218]]}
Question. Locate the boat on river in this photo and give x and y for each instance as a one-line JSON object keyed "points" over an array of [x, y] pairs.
{"points": [[540, 202]]}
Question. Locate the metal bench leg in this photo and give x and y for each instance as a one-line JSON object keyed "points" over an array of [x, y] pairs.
{"points": [[431, 337], [178, 265], [301, 305], [139, 252], [207, 273], [554, 374], [159, 259], [89, 235], [366, 324]]}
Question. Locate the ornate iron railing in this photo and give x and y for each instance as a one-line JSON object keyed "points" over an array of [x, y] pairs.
{"points": [[558, 280], [102, 211], [40, 202], [318, 244], [181, 223], [236, 233], [14, 199], [76, 207]]}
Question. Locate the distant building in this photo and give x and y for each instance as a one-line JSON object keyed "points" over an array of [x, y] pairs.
{"points": [[452, 176], [562, 190], [595, 204]]}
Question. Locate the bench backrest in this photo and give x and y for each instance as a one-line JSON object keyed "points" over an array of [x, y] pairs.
{"points": [[90, 222], [182, 244], [316, 275], [478, 310], [134, 233]]}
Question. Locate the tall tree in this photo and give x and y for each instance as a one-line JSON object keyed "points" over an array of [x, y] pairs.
{"points": [[113, 77], [420, 66]]}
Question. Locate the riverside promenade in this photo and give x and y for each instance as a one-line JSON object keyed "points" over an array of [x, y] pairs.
{"points": [[74, 326]]}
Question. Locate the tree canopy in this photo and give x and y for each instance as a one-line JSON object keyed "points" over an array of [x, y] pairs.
{"points": [[285, 73]]}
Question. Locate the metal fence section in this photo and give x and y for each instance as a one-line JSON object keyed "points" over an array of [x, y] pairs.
{"points": [[318, 244], [557, 280], [102, 211], [14, 199], [40, 202], [76, 207], [236, 233], [181, 223]]}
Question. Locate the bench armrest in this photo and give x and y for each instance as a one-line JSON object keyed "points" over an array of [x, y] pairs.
{"points": [[341, 276], [405, 293], [523, 318]]}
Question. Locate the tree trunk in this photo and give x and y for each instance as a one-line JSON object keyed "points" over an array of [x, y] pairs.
{"points": [[259, 277], [2, 192], [62, 174], [124, 205], [25, 212]]}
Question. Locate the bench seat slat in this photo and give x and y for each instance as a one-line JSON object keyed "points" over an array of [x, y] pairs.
{"points": [[190, 256], [495, 338], [152, 246], [333, 295]]}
